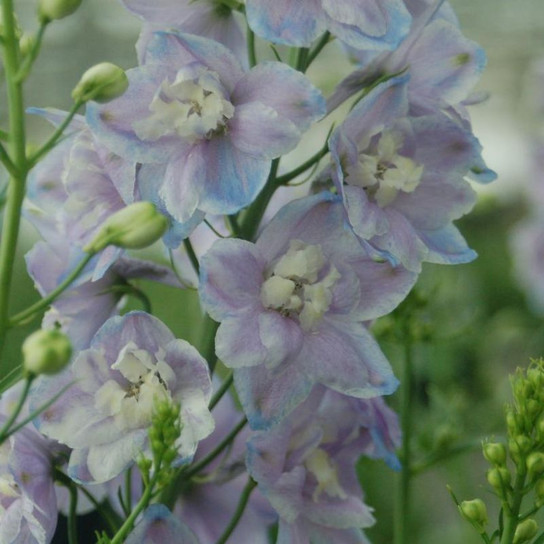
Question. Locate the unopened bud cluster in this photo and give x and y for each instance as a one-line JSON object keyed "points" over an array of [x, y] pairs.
{"points": [[164, 434]]}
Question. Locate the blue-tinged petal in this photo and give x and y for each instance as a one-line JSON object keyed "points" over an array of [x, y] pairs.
{"points": [[237, 342], [444, 65], [281, 336], [366, 217], [285, 90], [268, 397], [112, 123], [231, 178], [159, 526], [176, 49], [345, 357], [447, 246], [231, 276], [260, 132], [368, 24], [286, 21]]}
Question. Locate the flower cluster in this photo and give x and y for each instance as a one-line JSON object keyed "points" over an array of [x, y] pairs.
{"points": [[186, 148]]}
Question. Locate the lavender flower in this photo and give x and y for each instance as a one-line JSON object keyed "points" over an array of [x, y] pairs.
{"points": [[28, 506], [305, 466], [202, 125], [291, 308], [402, 178], [364, 24], [133, 361]]}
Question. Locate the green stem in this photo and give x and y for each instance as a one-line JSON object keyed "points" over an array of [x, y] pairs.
{"points": [[105, 510], [244, 499], [192, 255], [511, 511], [251, 52], [253, 217], [286, 178], [221, 391], [302, 59], [55, 137], [142, 504], [72, 515], [402, 503], [207, 341], [323, 41], [17, 182], [5, 431], [205, 461], [44, 302], [6, 161], [26, 66]]}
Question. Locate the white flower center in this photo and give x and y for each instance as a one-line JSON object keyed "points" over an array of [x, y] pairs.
{"points": [[192, 107], [323, 468], [384, 173], [148, 379], [297, 285]]}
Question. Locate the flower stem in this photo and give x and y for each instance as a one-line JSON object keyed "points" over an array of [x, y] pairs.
{"points": [[244, 499], [227, 382], [511, 512], [44, 302], [5, 431], [17, 182], [402, 504], [72, 515]]}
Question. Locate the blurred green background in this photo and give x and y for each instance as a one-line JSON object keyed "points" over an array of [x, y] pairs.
{"points": [[477, 319]]}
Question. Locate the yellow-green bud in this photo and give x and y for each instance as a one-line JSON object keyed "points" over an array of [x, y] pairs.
{"points": [[511, 421], [475, 511], [101, 83], [134, 227], [526, 530], [494, 452], [499, 478], [46, 352], [535, 463], [539, 492], [50, 10], [26, 44], [519, 446]]}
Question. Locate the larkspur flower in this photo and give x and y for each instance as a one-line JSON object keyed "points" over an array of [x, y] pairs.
{"points": [[292, 308], [28, 505], [402, 178], [305, 466], [209, 18], [133, 362], [204, 127], [443, 64], [368, 24]]}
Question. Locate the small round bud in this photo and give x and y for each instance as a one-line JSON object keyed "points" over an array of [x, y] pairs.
{"points": [[101, 83], [475, 511], [494, 452], [535, 463], [539, 492], [511, 422], [51, 10], [26, 44], [134, 227], [499, 478], [526, 530], [46, 352], [518, 446]]}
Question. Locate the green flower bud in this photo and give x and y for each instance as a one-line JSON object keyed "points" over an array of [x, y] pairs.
{"points": [[525, 531], [50, 10], [535, 463], [512, 422], [532, 407], [133, 227], [539, 492], [475, 511], [499, 478], [494, 452], [26, 44], [518, 446], [46, 352], [101, 83]]}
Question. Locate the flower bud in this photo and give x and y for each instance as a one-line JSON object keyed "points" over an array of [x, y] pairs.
{"points": [[494, 452], [539, 492], [46, 352], [50, 10], [26, 44], [526, 530], [475, 511], [535, 463], [102, 83], [499, 478], [134, 227]]}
